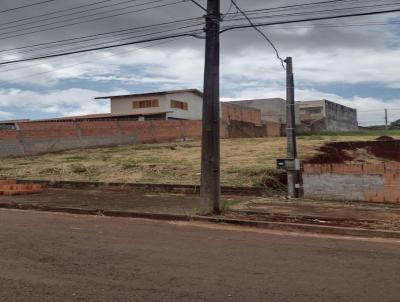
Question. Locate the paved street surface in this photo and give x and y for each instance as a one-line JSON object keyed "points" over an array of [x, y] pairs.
{"points": [[57, 257]]}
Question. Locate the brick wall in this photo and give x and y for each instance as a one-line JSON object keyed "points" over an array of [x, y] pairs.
{"points": [[272, 129], [232, 112], [359, 182], [42, 137]]}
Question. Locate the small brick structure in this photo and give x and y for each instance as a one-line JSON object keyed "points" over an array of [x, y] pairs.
{"points": [[10, 187], [354, 182]]}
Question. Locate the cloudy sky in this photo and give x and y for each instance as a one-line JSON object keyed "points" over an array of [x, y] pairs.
{"points": [[353, 61]]}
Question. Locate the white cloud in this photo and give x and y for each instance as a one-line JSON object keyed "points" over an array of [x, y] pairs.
{"points": [[57, 103], [184, 67], [4, 115]]}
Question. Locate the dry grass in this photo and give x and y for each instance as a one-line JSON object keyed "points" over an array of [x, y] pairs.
{"points": [[245, 162]]}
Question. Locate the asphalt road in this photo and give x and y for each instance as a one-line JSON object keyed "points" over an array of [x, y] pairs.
{"points": [[55, 257]]}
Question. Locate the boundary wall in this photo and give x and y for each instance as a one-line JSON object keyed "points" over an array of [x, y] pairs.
{"points": [[353, 182], [42, 137]]}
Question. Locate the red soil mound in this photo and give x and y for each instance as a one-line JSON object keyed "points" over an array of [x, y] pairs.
{"points": [[385, 138], [335, 153]]}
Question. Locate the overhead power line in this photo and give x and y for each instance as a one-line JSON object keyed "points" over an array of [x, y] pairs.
{"points": [[261, 33], [315, 12], [100, 48], [86, 21], [198, 5], [311, 19], [128, 34], [227, 28], [106, 43], [92, 59], [247, 12], [113, 33], [104, 17], [25, 6], [56, 12], [324, 25], [78, 13], [305, 5], [65, 15]]}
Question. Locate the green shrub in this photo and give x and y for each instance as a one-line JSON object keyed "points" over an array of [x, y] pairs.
{"points": [[78, 168], [128, 164]]}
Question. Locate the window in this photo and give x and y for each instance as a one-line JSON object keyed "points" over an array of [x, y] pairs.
{"points": [[145, 104], [179, 105], [313, 110]]}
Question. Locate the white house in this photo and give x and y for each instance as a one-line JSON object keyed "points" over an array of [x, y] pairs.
{"points": [[184, 104]]}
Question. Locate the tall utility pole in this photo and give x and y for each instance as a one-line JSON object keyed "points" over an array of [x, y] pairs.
{"points": [[386, 119], [292, 173], [210, 149]]}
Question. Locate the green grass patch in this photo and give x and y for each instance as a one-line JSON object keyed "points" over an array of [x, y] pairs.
{"points": [[78, 168], [76, 158], [128, 164]]}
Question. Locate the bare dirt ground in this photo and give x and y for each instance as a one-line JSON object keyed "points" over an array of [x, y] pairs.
{"points": [[269, 209], [54, 257], [118, 200]]}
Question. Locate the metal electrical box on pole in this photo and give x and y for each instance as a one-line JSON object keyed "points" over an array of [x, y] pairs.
{"points": [[210, 190], [292, 170]]}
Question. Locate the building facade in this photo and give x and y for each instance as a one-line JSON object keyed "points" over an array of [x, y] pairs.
{"points": [[168, 105], [324, 115], [272, 110]]}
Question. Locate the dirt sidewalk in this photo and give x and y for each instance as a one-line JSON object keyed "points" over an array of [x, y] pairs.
{"points": [[259, 209]]}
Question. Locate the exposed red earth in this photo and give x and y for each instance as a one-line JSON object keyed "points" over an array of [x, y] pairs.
{"points": [[385, 148]]}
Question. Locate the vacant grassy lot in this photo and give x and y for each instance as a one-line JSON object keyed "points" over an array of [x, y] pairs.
{"points": [[245, 162]]}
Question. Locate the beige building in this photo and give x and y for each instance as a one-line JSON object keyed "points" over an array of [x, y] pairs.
{"points": [[176, 105]]}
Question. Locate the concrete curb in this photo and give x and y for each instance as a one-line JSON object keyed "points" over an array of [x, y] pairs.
{"points": [[281, 226], [164, 188]]}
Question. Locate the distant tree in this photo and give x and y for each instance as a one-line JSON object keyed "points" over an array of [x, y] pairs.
{"points": [[395, 124]]}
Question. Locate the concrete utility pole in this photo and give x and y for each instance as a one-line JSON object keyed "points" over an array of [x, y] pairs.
{"points": [[292, 173], [386, 119], [210, 148]]}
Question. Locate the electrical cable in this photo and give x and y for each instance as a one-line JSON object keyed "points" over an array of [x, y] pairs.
{"points": [[261, 33], [124, 39], [141, 34], [296, 6], [98, 48], [106, 33], [55, 12], [25, 6], [88, 61], [223, 30], [199, 5], [312, 19], [311, 12], [76, 13], [86, 21]]}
